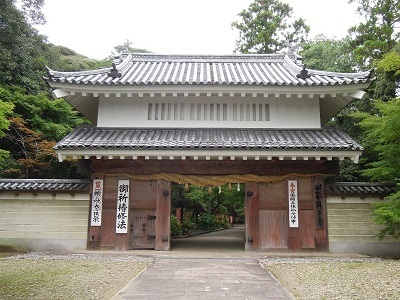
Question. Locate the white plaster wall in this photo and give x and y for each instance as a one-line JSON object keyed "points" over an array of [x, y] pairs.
{"points": [[44, 221], [283, 112]]}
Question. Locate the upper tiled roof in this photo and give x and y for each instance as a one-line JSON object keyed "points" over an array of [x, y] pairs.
{"points": [[231, 70], [45, 185], [89, 137], [361, 188]]}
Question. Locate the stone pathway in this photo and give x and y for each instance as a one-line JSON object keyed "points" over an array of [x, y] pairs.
{"points": [[204, 278]]}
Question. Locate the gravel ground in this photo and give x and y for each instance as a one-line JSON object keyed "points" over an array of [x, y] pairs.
{"points": [[43, 275], [47, 275], [337, 278]]}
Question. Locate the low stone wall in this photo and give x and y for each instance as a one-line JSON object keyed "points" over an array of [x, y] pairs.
{"points": [[351, 228], [44, 220]]}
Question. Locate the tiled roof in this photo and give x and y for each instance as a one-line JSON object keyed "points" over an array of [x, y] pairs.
{"points": [[45, 185], [361, 188], [222, 70], [90, 137]]}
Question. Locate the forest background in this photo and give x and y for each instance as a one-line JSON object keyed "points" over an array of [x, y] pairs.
{"points": [[31, 122]]}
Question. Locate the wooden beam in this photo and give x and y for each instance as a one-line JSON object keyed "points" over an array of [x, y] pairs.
{"points": [[163, 230]]}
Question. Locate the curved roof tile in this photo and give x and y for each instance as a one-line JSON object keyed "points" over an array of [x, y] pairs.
{"points": [[242, 69], [208, 138]]}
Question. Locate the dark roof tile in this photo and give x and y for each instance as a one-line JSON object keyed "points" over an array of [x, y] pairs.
{"points": [[241, 69], [45, 185], [208, 138]]}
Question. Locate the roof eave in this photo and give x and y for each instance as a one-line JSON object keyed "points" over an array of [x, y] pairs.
{"points": [[205, 154]]}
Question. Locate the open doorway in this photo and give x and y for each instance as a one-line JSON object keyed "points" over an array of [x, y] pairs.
{"points": [[207, 218]]}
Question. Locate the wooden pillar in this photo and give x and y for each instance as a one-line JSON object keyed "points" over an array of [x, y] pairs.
{"points": [[252, 212], [163, 227]]}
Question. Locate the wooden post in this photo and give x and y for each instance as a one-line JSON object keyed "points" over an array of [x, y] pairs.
{"points": [[252, 212], [163, 227]]}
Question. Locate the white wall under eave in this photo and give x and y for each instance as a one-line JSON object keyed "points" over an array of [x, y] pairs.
{"points": [[209, 111]]}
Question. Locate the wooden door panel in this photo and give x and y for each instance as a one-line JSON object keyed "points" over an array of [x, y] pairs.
{"points": [[273, 229], [307, 229], [142, 229], [108, 228]]}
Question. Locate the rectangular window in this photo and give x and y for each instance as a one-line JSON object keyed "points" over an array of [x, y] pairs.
{"points": [[156, 112], [175, 111], [198, 111], [225, 112], [163, 111], [150, 111], [192, 107], [169, 111], [235, 112], [267, 118], [182, 113]]}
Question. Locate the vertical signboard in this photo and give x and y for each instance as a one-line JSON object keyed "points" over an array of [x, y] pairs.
{"points": [[318, 203], [293, 204], [97, 199], [122, 206]]}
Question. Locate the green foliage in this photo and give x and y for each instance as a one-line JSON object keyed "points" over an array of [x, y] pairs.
{"points": [[388, 214], [23, 51], [328, 54], [382, 131], [388, 73], [6, 109], [35, 125], [181, 228], [209, 208], [212, 222], [266, 26], [68, 60], [377, 34], [176, 226]]}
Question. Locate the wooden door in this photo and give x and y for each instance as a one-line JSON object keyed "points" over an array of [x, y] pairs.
{"points": [[142, 229]]}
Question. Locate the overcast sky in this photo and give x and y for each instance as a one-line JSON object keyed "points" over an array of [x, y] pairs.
{"points": [[94, 27]]}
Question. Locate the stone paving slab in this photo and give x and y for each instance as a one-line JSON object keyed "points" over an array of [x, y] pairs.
{"points": [[177, 278]]}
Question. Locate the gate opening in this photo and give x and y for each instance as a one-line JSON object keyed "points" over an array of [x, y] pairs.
{"points": [[207, 218]]}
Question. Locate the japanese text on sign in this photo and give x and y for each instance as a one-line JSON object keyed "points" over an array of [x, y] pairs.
{"points": [[293, 204], [122, 206], [97, 198], [318, 202]]}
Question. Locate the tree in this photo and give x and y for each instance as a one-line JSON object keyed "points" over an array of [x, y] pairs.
{"points": [[6, 109], [208, 201], [382, 131], [327, 54], [383, 134], [267, 26], [22, 49], [388, 73], [377, 35], [36, 124]]}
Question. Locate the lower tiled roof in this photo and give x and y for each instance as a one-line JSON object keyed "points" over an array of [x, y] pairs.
{"points": [[361, 188], [45, 185], [90, 137]]}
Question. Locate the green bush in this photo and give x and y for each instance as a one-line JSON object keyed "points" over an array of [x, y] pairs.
{"points": [[211, 222], [388, 214], [176, 226]]}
